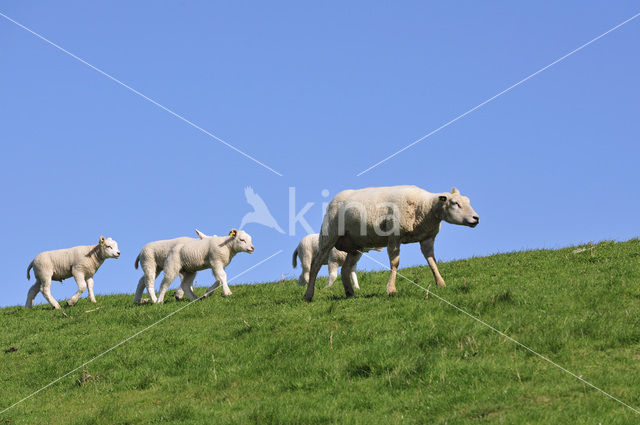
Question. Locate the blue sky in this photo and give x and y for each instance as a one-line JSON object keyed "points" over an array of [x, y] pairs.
{"points": [[318, 92]]}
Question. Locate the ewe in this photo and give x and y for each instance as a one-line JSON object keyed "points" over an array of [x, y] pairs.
{"points": [[387, 216], [151, 258], [214, 252], [81, 262]]}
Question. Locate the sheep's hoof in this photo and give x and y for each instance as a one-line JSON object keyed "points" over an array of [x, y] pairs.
{"points": [[227, 294], [392, 293], [441, 283]]}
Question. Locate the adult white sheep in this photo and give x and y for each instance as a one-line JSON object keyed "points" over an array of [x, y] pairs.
{"points": [[387, 216], [81, 262], [151, 259], [308, 248], [213, 253]]}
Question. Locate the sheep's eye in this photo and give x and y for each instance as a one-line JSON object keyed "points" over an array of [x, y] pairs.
{"points": [[242, 240]]}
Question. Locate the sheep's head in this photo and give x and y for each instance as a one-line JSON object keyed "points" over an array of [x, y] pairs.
{"points": [[241, 241], [457, 209], [109, 248]]}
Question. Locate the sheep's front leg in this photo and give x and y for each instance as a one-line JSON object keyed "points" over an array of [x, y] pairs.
{"points": [[45, 288], [221, 279], [426, 246], [92, 295], [393, 250], [82, 285]]}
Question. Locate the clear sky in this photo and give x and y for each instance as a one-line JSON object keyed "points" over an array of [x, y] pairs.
{"points": [[318, 92]]}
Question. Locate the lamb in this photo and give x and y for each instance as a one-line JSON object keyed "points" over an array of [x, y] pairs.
{"points": [[214, 252], [81, 262], [387, 216], [308, 248], [151, 258]]}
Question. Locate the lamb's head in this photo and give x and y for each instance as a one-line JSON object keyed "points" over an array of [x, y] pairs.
{"points": [[457, 209], [109, 248], [241, 241]]}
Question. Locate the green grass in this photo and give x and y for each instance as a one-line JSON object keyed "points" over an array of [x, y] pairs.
{"points": [[265, 356]]}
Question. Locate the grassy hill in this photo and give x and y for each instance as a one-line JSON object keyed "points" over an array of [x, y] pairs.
{"points": [[264, 356]]}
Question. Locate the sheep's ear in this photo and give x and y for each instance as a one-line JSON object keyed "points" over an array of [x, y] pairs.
{"points": [[455, 191], [101, 240], [200, 234], [233, 233], [442, 198]]}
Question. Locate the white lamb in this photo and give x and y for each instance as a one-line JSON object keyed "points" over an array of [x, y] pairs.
{"points": [[151, 259], [213, 252], [81, 262], [308, 248]]}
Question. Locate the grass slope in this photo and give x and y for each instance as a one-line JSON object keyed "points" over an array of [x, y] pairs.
{"points": [[264, 356]]}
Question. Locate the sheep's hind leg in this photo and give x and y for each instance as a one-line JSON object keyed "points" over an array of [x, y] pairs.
{"points": [[333, 273], [33, 291], [45, 288], [354, 276], [137, 298], [393, 249], [187, 281], [179, 292], [345, 273]]}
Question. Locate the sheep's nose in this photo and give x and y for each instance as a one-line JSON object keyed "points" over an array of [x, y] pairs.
{"points": [[118, 253], [476, 218]]}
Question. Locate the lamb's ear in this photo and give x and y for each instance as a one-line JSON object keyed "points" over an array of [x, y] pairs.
{"points": [[442, 198], [200, 234], [233, 233], [455, 191], [101, 240]]}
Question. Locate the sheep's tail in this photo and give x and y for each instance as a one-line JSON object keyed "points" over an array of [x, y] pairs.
{"points": [[29, 268], [295, 259], [137, 261]]}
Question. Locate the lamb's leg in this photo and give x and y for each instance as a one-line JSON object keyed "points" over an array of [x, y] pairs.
{"points": [[333, 273], [345, 273], [319, 259], [92, 295], [82, 285], [45, 288], [33, 291], [150, 275], [393, 249], [303, 280], [187, 281], [137, 298], [354, 279], [179, 292], [221, 279], [171, 270], [354, 276], [151, 271], [426, 246]]}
